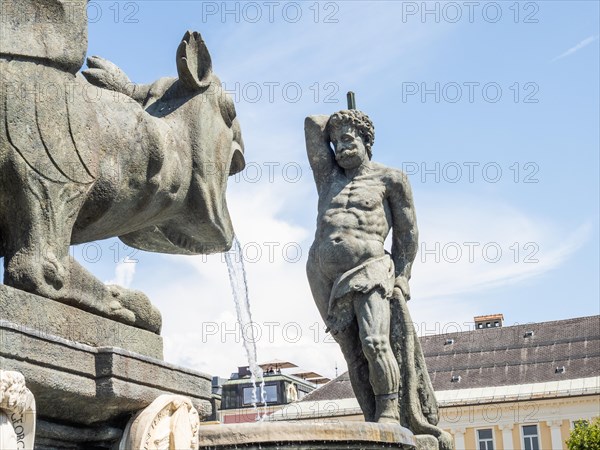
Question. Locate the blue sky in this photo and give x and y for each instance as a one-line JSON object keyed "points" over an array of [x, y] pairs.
{"points": [[502, 153]]}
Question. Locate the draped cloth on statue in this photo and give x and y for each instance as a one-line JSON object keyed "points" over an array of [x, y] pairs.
{"points": [[375, 273]]}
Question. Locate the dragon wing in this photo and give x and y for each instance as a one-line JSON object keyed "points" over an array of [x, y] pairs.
{"points": [[51, 128]]}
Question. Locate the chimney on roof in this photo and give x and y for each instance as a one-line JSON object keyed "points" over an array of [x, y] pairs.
{"points": [[489, 321]]}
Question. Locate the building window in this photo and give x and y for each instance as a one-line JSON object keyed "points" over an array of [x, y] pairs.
{"points": [[251, 395], [581, 422], [485, 439], [270, 394], [229, 397], [531, 440]]}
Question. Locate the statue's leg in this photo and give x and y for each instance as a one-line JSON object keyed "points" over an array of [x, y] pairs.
{"points": [[348, 340], [373, 314], [40, 203], [112, 301], [37, 245], [37, 252], [358, 369]]}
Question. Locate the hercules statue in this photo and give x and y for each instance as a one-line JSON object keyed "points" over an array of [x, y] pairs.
{"points": [[360, 289]]}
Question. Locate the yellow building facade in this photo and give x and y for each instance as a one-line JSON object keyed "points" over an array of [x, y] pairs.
{"points": [[541, 418]]}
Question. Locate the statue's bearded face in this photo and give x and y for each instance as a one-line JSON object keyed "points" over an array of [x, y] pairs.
{"points": [[350, 151]]}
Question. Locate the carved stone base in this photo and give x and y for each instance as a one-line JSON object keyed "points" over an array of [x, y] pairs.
{"points": [[53, 436], [306, 436], [426, 442], [57, 319], [84, 393]]}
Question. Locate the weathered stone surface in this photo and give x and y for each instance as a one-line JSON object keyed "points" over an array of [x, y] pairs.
{"points": [[50, 436], [306, 435], [90, 157], [426, 442], [171, 421], [53, 318], [359, 288], [78, 384], [54, 31]]}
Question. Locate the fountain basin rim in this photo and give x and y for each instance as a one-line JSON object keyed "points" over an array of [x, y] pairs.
{"points": [[230, 435]]}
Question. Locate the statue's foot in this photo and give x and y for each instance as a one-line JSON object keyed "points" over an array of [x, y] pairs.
{"points": [[54, 272], [446, 442], [64, 280], [386, 409], [134, 308], [43, 275]]}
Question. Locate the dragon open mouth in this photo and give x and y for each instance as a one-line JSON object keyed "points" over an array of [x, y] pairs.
{"points": [[211, 239]]}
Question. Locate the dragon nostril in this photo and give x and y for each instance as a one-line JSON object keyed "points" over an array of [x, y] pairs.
{"points": [[238, 163]]}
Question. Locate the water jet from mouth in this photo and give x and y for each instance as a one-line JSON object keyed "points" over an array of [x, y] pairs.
{"points": [[241, 298]]}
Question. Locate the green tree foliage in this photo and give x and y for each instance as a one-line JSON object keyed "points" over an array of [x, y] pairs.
{"points": [[585, 435]]}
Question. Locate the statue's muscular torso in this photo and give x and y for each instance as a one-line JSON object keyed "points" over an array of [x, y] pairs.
{"points": [[355, 221]]}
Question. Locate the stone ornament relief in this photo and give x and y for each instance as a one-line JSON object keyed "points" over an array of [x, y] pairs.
{"points": [[17, 412], [169, 422]]}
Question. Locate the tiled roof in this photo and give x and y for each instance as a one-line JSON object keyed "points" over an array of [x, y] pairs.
{"points": [[502, 356], [505, 356], [336, 389]]}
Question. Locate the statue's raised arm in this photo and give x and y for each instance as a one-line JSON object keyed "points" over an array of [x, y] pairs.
{"points": [[320, 155]]}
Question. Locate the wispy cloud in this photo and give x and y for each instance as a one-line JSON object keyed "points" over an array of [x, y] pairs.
{"points": [[486, 245], [124, 272], [587, 41]]}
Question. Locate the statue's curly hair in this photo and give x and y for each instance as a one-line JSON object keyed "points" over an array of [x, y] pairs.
{"points": [[359, 120]]}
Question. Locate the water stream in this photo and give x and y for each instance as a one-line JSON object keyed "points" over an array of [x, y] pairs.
{"points": [[239, 288]]}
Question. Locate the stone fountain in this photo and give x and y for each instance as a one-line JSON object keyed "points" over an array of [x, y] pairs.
{"points": [[81, 361]]}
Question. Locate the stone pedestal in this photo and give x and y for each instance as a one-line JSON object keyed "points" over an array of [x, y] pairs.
{"points": [[86, 394], [57, 319]]}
